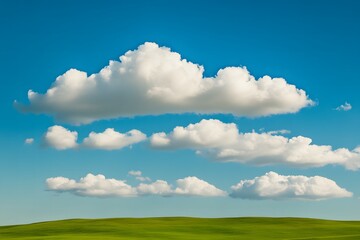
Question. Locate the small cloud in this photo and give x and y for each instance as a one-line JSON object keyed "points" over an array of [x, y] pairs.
{"points": [[138, 176], [29, 141], [60, 138], [112, 140], [135, 173], [344, 107], [277, 132]]}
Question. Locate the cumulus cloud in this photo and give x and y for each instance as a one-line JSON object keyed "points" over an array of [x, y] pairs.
{"points": [[275, 186], [269, 186], [154, 80], [29, 141], [110, 139], [92, 185], [138, 176], [223, 142], [60, 138], [159, 187], [189, 186], [100, 186], [344, 107], [196, 187]]}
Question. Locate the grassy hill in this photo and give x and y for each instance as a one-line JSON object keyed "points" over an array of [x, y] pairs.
{"points": [[185, 228]]}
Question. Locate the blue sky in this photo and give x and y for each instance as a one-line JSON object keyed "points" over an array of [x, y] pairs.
{"points": [[312, 45]]}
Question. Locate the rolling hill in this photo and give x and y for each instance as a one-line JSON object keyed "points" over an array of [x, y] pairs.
{"points": [[185, 228]]}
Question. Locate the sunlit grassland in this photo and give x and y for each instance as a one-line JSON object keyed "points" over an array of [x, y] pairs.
{"points": [[185, 228]]}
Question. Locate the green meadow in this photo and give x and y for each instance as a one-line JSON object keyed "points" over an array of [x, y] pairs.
{"points": [[185, 228]]}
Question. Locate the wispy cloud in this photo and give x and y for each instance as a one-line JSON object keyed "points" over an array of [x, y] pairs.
{"points": [[344, 107], [138, 176], [277, 132], [29, 141]]}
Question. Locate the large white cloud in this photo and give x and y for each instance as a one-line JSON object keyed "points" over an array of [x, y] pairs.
{"points": [[153, 80], [111, 139], [223, 142], [60, 138], [275, 186], [100, 186]]}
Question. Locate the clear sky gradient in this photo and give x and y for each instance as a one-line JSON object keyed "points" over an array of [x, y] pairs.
{"points": [[312, 44]]}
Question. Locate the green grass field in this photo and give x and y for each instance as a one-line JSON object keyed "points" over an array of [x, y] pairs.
{"points": [[185, 228]]}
